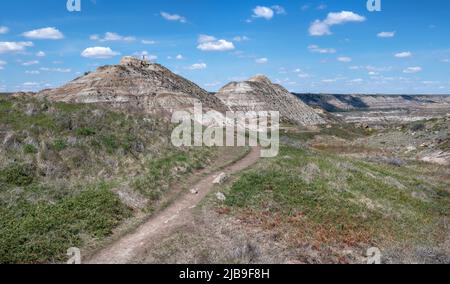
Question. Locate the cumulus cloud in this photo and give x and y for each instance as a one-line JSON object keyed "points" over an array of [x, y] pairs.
{"points": [[4, 30], [321, 28], [205, 38], [45, 33], [279, 10], [110, 36], [2, 64], [7, 46], [29, 63], [179, 57], [263, 60], [210, 43], [99, 52], [386, 34], [263, 12], [412, 70], [58, 70], [344, 59], [173, 17], [404, 54], [148, 42], [317, 49], [241, 38], [146, 55], [32, 72], [198, 66], [40, 54]]}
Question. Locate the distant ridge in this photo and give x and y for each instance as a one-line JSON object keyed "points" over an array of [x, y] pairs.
{"points": [[336, 103]]}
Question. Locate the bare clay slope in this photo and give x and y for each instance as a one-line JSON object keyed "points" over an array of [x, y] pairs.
{"points": [[260, 94], [134, 83]]}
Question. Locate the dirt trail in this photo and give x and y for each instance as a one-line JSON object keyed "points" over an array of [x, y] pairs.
{"points": [[128, 248]]}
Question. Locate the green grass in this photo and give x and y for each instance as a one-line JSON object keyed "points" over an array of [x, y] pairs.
{"points": [[53, 197], [42, 232], [161, 172], [341, 200]]}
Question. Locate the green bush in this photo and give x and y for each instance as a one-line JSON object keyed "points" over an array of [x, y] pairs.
{"points": [[30, 149], [18, 175], [85, 131], [59, 145]]}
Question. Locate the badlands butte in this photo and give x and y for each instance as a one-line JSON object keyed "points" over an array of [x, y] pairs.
{"points": [[91, 165]]}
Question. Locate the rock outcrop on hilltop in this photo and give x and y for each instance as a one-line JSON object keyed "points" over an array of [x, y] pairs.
{"points": [[135, 83], [260, 94]]}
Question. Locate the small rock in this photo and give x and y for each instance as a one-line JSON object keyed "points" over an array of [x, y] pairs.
{"points": [[220, 179], [410, 149], [194, 191], [220, 196]]}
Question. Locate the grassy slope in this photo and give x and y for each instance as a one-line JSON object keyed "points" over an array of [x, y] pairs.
{"points": [[328, 200], [59, 165]]}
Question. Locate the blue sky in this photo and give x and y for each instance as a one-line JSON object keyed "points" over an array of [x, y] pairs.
{"points": [[331, 46]]}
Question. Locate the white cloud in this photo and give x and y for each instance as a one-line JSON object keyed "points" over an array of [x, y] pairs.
{"points": [[317, 49], [30, 84], [45, 33], [386, 34], [4, 30], [110, 36], [148, 42], [205, 38], [446, 60], [279, 10], [198, 66], [2, 64], [241, 38], [40, 54], [358, 80], [263, 60], [322, 7], [146, 55], [99, 52], [411, 70], [263, 12], [179, 57], [210, 43], [404, 54], [32, 72], [6, 46], [173, 17], [29, 63], [212, 84], [344, 59], [321, 28], [59, 70]]}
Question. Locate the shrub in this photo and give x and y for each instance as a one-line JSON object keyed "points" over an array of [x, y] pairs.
{"points": [[59, 145], [29, 149], [418, 126], [85, 131], [18, 175]]}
